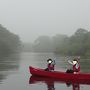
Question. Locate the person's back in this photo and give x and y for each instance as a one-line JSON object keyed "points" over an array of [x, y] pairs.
{"points": [[76, 65], [51, 64]]}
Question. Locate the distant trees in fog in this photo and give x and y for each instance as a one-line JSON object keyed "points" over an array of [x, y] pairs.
{"points": [[80, 43], [77, 44], [43, 44], [27, 47], [9, 42]]}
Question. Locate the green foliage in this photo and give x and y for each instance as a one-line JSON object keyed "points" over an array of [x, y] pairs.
{"points": [[9, 42], [77, 44]]}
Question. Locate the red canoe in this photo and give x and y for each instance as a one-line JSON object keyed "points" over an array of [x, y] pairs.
{"points": [[59, 75]]}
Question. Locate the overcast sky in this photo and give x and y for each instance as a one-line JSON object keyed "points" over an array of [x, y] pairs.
{"points": [[31, 18]]}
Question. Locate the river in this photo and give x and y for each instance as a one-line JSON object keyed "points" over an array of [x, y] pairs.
{"points": [[14, 72]]}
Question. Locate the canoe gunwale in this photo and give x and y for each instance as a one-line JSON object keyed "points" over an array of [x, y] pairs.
{"points": [[59, 75]]}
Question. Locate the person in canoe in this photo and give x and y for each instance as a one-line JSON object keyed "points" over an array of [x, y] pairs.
{"points": [[76, 65], [51, 65]]}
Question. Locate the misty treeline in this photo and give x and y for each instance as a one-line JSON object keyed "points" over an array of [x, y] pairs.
{"points": [[77, 44], [9, 42]]}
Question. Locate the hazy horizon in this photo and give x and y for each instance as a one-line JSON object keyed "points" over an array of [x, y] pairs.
{"points": [[32, 18]]}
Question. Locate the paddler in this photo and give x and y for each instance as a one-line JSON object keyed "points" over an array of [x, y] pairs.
{"points": [[51, 65], [76, 65]]}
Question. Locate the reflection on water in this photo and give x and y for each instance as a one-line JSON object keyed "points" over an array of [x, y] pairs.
{"points": [[50, 82], [47, 81], [9, 62]]}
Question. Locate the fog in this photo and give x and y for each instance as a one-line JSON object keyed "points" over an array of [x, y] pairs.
{"points": [[31, 18]]}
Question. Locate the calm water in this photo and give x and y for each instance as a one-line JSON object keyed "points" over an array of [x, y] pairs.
{"points": [[14, 72]]}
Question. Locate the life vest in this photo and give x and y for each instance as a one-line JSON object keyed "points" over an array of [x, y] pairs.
{"points": [[50, 66], [76, 67]]}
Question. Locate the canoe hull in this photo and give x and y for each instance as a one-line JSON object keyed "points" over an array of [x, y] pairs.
{"points": [[59, 75]]}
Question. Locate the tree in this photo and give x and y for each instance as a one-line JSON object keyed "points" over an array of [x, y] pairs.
{"points": [[9, 42], [42, 44], [59, 43]]}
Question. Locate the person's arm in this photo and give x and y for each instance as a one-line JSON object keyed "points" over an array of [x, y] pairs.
{"points": [[70, 62], [53, 63]]}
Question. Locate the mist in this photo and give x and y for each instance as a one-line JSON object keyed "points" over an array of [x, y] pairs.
{"points": [[35, 31], [32, 18]]}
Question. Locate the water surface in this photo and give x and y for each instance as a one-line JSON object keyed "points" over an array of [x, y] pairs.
{"points": [[14, 72]]}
